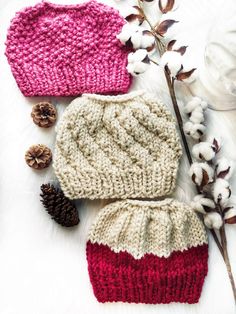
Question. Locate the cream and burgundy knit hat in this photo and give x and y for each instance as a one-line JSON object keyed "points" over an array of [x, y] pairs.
{"points": [[122, 146], [62, 50], [147, 252]]}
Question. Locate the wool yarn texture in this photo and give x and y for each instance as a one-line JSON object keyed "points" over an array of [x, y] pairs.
{"points": [[122, 146], [67, 50], [147, 252]]}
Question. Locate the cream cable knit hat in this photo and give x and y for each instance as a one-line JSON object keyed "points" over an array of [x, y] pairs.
{"points": [[117, 147]]}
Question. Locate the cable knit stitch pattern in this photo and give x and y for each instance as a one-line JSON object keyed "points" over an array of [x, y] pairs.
{"points": [[116, 147], [62, 50], [147, 252]]}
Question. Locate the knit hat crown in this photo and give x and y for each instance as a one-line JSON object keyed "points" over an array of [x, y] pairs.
{"points": [[147, 252], [122, 146], [62, 50]]}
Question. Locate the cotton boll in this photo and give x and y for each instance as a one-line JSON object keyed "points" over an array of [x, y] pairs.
{"points": [[173, 60], [221, 192], [131, 34], [197, 115], [137, 68], [224, 168], [204, 104], [138, 62], [126, 32], [194, 103], [136, 39], [148, 41], [203, 151], [213, 220], [137, 56], [196, 131], [201, 173], [201, 203]]}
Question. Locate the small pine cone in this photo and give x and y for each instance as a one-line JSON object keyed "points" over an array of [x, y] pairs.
{"points": [[38, 156], [44, 114], [59, 206]]}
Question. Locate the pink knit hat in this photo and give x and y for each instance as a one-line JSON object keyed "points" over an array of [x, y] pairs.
{"points": [[62, 50]]}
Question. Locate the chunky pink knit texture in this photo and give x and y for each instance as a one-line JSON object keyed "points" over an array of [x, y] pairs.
{"points": [[62, 50]]}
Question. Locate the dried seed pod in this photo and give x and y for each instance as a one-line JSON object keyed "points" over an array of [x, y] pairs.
{"points": [[61, 209], [44, 114], [201, 174], [38, 156]]}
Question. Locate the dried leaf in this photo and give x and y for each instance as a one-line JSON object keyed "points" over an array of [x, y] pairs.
{"points": [[216, 145], [231, 220], [146, 60], [181, 50], [171, 44], [227, 209], [184, 75], [209, 209], [129, 44], [193, 178], [151, 47], [139, 16], [169, 6], [222, 174], [132, 17], [205, 178], [147, 32], [163, 27]]}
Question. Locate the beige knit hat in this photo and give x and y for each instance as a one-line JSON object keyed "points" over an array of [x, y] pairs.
{"points": [[117, 147], [147, 252]]}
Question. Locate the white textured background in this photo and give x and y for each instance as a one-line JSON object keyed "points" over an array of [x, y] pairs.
{"points": [[43, 267]]}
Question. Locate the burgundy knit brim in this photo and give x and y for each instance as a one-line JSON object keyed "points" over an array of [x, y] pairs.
{"points": [[151, 279]]}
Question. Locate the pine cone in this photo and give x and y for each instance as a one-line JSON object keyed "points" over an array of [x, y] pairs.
{"points": [[38, 156], [59, 206], [44, 114]]}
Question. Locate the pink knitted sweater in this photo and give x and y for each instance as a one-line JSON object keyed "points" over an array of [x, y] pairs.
{"points": [[62, 50]]}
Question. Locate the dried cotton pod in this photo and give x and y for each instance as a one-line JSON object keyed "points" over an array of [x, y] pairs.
{"points": [[202, 204], [138, 62], [197, 115], [194, 130], [221, 192], [201, 174], [171, 61], [224, 168], [213, 220], [203, 151], [130, 35], [136, 37], [195, 103]]}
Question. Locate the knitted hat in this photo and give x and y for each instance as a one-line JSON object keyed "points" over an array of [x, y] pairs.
{"points": [[147, 252], [117, 147], [62, 50]]}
